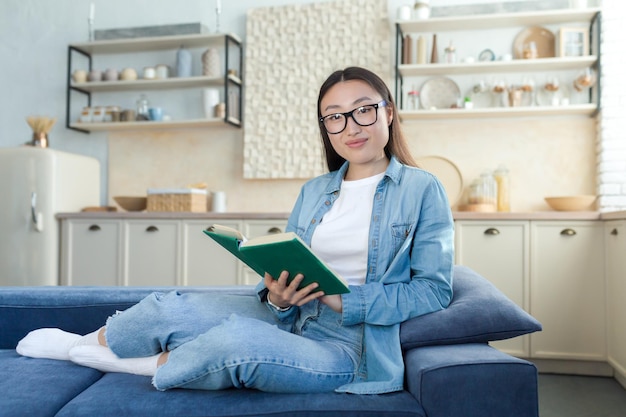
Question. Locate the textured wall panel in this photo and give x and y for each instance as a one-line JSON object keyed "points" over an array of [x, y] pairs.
{"points": [[290, 51]]}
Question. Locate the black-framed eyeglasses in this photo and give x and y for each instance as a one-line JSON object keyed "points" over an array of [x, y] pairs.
{"points": [[363, 116]]}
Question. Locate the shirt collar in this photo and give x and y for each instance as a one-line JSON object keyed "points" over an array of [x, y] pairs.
{"points": [[393, 172]]}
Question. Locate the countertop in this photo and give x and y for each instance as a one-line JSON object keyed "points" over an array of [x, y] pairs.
{"points": [[458, 215], [175, 215]]}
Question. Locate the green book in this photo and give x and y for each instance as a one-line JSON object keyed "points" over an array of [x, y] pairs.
{"points": [[279, 252]]}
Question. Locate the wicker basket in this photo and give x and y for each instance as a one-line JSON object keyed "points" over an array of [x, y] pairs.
{"points": [[193, 200]]}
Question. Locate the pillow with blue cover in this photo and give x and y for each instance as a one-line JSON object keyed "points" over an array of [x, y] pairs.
{"points": [[478, 313]]}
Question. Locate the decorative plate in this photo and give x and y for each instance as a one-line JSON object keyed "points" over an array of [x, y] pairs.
{"points": [[487, 55], [543, 38], [447, 172], [439, 93]]}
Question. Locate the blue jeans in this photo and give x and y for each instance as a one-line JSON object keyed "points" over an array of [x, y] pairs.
{"points": [[222, 341]]}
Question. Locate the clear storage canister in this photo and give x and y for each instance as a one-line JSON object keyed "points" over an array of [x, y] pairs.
{"points": [[489, 188], [503, 185]]}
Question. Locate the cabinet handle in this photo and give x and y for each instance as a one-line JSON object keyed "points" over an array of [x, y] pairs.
{"points": [[152, 229], [274, 230], [568, 232], [492, 231], [94, 228], [614, 232]]}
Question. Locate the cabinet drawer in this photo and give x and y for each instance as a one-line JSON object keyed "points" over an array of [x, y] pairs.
{"points": [[90, 252]]}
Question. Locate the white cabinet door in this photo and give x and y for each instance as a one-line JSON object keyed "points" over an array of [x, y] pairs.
{"points": [[91, 252], [255, 228], [204, 261], [568, 290], [499, 251], [152, 253], [615, 238]]}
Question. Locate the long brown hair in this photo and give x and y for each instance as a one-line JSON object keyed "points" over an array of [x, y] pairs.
{"points": [[397, 145]]}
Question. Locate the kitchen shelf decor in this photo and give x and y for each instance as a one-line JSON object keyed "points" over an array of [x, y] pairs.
{"points": [[409, 75], [230, 81]]}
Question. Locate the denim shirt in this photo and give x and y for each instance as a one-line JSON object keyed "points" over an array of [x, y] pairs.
{"points": [[410, 260]]}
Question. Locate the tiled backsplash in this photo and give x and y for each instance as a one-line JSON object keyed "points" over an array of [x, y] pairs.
{"points": [[545, 157]]}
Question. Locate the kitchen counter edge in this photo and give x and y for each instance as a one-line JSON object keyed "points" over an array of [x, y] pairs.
{"points": [[458, 215], [171, 215]]}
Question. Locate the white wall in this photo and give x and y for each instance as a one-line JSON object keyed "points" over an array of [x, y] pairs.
{"points": [[611, 148]]}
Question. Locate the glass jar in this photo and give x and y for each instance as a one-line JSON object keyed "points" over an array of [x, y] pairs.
{"points": [[142, 108], [501, 175], [414, 100], [450, 54], [475, 191], [489, 188]]}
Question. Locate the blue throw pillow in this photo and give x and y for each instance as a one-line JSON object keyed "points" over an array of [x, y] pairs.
{"points": [[478, 313]]}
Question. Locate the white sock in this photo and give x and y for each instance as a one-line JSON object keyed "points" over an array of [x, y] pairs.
{"points": [[103, 359], [53, 343]]}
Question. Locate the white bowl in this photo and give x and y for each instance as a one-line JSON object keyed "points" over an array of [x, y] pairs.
{"points": [[571, 203]]}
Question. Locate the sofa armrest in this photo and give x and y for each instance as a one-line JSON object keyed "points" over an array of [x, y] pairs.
{"points": [[471, 380]]}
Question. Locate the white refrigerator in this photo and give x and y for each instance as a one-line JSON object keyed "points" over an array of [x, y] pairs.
{"points": [[35, 185]]}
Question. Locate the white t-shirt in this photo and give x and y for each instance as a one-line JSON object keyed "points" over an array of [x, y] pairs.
{"points": [[341, 238]]}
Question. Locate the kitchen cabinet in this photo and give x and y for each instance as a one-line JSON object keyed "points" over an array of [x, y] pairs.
{"points": [[555, 271], [229, 82], [615, 238], [91, 252], [567, 290], [154, 252], [470, 32], [151, 256], [205, 262], [499, 251]]}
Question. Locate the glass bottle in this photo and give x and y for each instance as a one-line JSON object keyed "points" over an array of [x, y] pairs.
{"points": [[142, 108], [475, 192], [450, 54], [489, 188], [501, 175]]}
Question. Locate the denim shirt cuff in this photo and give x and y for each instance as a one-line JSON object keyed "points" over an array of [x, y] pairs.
{"points": [[282, 316], [353, 306]]}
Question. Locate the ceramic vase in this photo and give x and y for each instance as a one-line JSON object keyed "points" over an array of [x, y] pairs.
{"points": [[211, 97], [211, 63], [183, 63]]}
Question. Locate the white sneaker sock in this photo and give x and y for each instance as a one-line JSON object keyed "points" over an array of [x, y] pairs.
{"points": [[51, 343], [103, 359]]}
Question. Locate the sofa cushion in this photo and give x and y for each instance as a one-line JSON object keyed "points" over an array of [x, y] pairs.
{"points": [[126, 395], [39, 387], [478, 313]]}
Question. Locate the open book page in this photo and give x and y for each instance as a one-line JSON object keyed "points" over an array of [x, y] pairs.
{"points": [[227, 231]]}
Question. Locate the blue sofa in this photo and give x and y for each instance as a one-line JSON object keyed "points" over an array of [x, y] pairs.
{"points": [[451, 371]]}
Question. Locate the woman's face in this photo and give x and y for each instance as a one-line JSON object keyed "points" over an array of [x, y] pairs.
{"points": [[362, 146]]}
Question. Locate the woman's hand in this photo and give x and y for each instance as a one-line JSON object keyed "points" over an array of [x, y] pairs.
{"points": [[334, 302], [285, 295]]}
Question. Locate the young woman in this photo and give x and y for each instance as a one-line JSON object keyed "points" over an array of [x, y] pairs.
{"points": [[376, 219]]}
